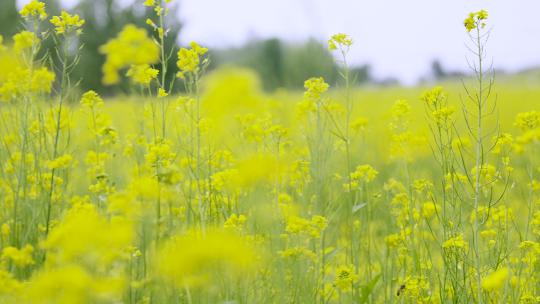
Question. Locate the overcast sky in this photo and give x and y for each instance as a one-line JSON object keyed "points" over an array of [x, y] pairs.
{"points": [[397, 37]]}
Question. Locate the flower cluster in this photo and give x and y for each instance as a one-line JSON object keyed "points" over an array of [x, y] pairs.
{"points": [[476, 20], [314, 88], [189, 60], [132, 46], [67, 23], [339, 41], [34, 9]]}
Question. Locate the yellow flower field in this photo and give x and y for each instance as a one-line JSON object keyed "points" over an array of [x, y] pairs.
{"points": [[229, 194]]}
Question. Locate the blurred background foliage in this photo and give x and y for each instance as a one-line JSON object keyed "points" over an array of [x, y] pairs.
{"points": [[283, 65], [278, 64]]}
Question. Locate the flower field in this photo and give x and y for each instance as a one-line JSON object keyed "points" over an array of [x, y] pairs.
{"points": [[225, 193]]}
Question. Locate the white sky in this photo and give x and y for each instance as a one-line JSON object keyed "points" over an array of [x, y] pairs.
{"points": [[397, 37]]}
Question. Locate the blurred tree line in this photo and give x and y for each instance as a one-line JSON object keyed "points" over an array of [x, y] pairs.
{"points": [[282, 65], [278, 64]]}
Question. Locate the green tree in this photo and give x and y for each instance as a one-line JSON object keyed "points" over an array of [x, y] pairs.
{"points": [[9, 18], [281, 65], [311, 59]]}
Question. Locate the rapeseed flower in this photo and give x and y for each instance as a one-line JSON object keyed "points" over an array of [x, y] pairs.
{"points": [[25, 40], [495, 280], [88, 238], [433, 97], [314, 88], [195, 259], [67, 23], [61, 162], [91, 99], [528, 120], [34, 9], [475, 20], [132, 46], [339, 41], [142, 74], [456, 242], [20, 257], [42, 80], [73, 283], [189, 60], [345, 278], [235, 222], [428, 210]]}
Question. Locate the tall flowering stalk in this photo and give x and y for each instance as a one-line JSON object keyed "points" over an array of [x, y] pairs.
{"points": [[192, 63], [442, 126], [27, 44], [476, 114], [24, 87], [67, 26], [159, 130]]}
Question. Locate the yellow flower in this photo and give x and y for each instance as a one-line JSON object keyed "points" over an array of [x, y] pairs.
{"points": [[363, 173], [345, 277], [72, 283], [162, 93], [198, 49], [25, 40], [235, 222], [495, 280], [87, 237], [159, 10], [359, 125], [429, 209], [142, 74], [193, 259], [20, 257], [34, 9], [189, 59], [433, 97], [66, 23], [455, 242], [149, 2], [160, 155], [297, 252], [311, 228], [319, 221], [15, 85], [400, 109], [528, 120], [61, 162], [151, 23], [314, 88], [475, 20], [42, 80], [503, 142], [339, 41], [393, 240], [132, 46], [91, 99], [10, 287], [443, 115]]}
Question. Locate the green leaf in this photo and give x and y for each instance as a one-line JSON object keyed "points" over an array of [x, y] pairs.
{"points": [[367, 289], [357, 207]]}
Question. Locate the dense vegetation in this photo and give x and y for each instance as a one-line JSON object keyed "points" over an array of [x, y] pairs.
{"points": [[228, 194]]}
